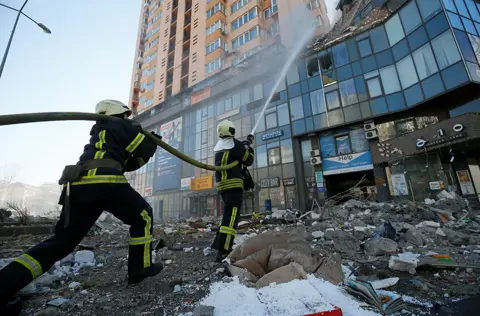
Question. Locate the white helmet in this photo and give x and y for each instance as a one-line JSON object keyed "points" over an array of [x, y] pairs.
{"points": [[226, 128], [112, 107]]}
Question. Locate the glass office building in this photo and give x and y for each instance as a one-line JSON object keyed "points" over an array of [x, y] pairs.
{"points": [[405, 67]]}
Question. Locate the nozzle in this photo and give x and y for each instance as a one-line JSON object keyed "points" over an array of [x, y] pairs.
{"points": [[250, 138]]}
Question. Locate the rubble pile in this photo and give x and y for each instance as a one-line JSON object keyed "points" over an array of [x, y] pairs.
{"points": [[425, 254]]}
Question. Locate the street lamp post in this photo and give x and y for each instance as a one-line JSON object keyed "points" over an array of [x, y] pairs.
{"points": [[7, 49]]}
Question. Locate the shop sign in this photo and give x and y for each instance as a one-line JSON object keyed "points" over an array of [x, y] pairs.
{"points": [[200, 96], [347, 163], [319, 179], [457, 129], [270, 183], [228, 114], [399, 184], [289, 181], [274, 134], [203, 183], [148, 191], [185, 184], [435, 185]]}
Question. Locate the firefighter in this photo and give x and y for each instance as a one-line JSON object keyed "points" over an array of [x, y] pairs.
{"points": [[230, 183], [96, 183]]}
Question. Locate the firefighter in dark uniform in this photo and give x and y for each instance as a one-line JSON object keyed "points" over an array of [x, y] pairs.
{"points": [[230, 184], [96, 183]]}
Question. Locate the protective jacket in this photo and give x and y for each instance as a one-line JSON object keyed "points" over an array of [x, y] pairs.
{"points": [[233, 178], [120, 140]]}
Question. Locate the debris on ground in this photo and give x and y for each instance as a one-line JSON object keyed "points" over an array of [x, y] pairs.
{"points": [[424, 255]]}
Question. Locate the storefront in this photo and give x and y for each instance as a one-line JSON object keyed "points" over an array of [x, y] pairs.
{"points": [[440, 156]]}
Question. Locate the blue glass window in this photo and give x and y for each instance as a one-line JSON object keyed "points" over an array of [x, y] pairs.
{"points": [[394, 30], [390, 79], [352, 50], [477, 26], [364, 47], [314, 83], [396, 102], [283, 96], [294, 90], [374, 87], [406, 72], [410, 17], [304, 86], [400, 50], [432, 86], [365, 109], [302, 71], [469, 27], [379, 106], [318, 101], [465, 46], [298, 127], [462, 9], [417, 38], [357, 69], [449, 5], [335, 117], [379, 39], [348, 92], [340, 55], [320, 121], [475, 41], [344, 72], [307, 108], [309, 124], [454, 76], [429, 8], [384, 58], [413, 95], [296, 108], [352, 113], [424, 61], [437, 25], [445, 50], [472, 9], [369, 64], [361, 89], [333, 100]]}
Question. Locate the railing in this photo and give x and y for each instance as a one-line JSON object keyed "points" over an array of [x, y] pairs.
{"points": [[185, 54]]}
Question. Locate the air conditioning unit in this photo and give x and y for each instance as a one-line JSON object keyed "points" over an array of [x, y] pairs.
{"points": [[370, 126], [314, 161], [371, 134], [314, 153]]}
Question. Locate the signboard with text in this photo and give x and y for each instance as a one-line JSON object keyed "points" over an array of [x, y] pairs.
{"points": [[270, 183], [273, 134], [203, 183]]}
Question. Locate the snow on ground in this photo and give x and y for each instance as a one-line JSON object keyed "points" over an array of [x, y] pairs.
{"points": [[297, 297]]}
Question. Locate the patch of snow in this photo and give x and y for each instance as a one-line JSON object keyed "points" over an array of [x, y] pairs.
{"points": [[416, 301], [297, 297]]}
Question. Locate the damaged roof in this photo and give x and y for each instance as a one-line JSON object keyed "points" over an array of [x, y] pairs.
{"points": [[345, 28]]}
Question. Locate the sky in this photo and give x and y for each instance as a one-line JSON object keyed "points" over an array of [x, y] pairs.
{"points": [[88, 57]]}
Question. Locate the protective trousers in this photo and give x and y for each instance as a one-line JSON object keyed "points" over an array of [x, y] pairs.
{"points": [[119, 199], [232, 200]]}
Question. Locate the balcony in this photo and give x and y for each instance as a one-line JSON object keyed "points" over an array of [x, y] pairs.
{"points": [[140, 59]]}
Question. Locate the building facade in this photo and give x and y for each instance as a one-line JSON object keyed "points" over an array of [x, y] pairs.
{"points": [[180, 43], [383, 106]]}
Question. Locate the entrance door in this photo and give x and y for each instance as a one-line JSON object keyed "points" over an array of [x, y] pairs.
{"points": [[291, 197]]}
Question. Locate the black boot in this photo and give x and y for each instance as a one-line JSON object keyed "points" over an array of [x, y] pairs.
{"points": [[13, 308], [221, 255], [154, 269]]}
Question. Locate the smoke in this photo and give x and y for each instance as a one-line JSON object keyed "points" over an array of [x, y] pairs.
{"points": [[333, 14]]}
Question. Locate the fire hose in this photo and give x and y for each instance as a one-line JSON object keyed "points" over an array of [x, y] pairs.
{"points": [[12, 119]]}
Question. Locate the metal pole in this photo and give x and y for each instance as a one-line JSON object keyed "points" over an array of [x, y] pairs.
{"points": [[4, 60]]}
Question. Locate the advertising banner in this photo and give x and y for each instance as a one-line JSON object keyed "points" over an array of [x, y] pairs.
{"points": [[185, 184], [202, 183], [399, 184], [167, 166]]}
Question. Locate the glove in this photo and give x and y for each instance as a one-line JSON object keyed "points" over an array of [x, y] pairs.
{"points": [[250, 149], [156, 135]]}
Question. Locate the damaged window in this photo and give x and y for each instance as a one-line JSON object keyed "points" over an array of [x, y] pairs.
{"points": [[340, 54]]}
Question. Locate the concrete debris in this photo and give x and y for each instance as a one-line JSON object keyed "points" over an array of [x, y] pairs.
{"points": [[74, 285], [285, 274], [85, 256], [203, 310], [414, 237], [380, 246], [58, 301], [385, 283]]}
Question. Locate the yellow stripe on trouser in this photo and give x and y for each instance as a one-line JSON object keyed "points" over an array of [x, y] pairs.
{"points": [[146, 247], [135, 143], [100, 153], [230, 226], [100, 179], [31, 264]]}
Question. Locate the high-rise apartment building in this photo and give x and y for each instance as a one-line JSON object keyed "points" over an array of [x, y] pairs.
{"points": [[181, 43]]}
